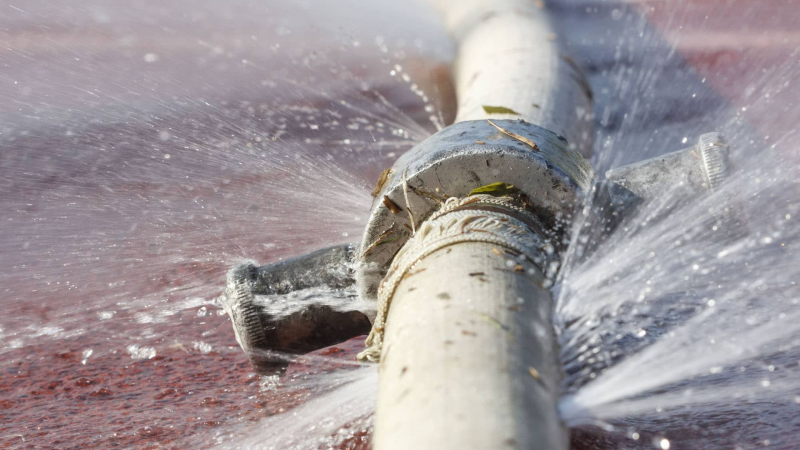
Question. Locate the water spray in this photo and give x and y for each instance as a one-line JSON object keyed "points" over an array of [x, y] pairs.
{"points": [[464, 242]]}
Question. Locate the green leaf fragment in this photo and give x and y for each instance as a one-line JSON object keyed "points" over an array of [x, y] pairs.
{"points": [[387, 241], [495, 189], [499, 110]]}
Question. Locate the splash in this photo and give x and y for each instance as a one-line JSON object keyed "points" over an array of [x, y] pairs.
{"points": [[146, 149], [683, 322], [339, 412]]}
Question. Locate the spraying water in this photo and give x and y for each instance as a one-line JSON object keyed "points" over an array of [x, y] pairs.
{"points": [[148, 148], [680, 328]]}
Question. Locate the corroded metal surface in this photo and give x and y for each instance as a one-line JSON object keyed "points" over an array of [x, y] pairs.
{"points": [[453, 162], [699, 169]]}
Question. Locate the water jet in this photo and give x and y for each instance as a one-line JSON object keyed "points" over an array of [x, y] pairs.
{"points": [[464, 242]]}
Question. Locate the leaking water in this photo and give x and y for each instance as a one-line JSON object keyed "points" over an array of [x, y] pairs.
{"points": [[146, 148]]}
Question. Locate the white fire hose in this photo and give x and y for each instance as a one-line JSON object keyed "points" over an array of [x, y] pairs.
{"points": [[468, 357]]}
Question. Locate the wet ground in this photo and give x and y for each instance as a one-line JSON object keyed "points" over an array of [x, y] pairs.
{"points": [[145, 148]]}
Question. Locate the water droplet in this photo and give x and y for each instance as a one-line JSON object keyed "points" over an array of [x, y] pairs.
{"points": [[664, 443], [151, 57], [141, 352], [202, 347], [86, 354]]}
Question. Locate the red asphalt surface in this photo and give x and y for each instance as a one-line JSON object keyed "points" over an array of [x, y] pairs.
{"points": [[49, 398]]}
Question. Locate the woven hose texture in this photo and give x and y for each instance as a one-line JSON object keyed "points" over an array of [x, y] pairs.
{"points": [[476, 218]]}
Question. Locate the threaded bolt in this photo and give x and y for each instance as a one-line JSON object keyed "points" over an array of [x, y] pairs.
{"points": [[715, 154]]}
